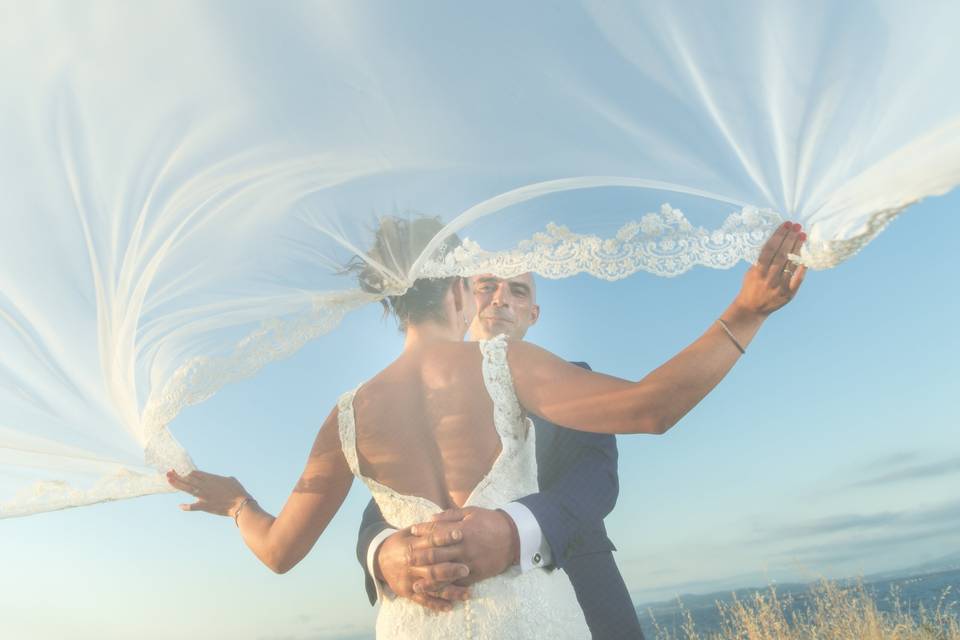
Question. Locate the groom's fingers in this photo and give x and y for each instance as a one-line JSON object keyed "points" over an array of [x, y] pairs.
{"points": [[433, 602], [434, 576], [453, 592], [434, 555], [444, 592], [435, 534], [450, 515], [436, 604], [449, 592]]}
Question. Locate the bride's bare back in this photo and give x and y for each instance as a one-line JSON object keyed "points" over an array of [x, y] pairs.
{"points": [[425, 424]]}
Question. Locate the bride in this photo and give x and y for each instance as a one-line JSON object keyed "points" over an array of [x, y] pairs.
{"points": [[444, 425]]}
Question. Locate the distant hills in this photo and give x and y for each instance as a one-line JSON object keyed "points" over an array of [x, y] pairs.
{"points": [[946, 563], [919, 584], [950, 562]]}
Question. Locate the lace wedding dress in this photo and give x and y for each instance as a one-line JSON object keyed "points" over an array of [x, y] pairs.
{"points": [[536, 604]]}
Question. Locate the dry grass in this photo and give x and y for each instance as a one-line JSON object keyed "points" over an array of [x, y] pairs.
{"points": [[831, 612]]}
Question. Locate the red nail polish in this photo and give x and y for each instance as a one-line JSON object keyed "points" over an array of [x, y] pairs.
{"points": [[803, 236], [785, 225], [796, 226]]}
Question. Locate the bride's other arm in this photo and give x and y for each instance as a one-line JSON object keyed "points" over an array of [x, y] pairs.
{"points": [[572, 397], [279, 542]]}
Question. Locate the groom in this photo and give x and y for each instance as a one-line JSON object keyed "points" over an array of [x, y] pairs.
{"points": [[559, 528]]}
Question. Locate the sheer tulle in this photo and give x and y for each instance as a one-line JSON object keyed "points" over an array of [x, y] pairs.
{"points": [[182, 182]]}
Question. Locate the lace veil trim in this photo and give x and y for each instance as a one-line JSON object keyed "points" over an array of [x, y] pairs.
{"points": [[663, 243]]}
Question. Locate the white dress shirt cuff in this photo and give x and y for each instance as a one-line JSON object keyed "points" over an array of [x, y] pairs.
{"points": [[383, 591], [534, 549]]}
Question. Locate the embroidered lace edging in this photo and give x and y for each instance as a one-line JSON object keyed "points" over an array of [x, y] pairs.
{"points": [[664, 243]]}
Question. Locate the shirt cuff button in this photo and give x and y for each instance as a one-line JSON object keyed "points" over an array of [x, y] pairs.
{"points": [[537, 558]]}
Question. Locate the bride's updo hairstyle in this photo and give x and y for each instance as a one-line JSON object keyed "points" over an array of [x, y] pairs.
{"points": [[398, 243]]}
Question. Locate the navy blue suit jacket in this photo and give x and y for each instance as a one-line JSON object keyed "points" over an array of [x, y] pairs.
{"points": [[577, 474]]}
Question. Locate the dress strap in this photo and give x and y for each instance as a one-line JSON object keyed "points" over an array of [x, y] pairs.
{"points": [[348, 430], [508, 415]]}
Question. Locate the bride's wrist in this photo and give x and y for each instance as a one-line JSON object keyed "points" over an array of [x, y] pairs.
{"points": [[241, 504], [740, 313]]}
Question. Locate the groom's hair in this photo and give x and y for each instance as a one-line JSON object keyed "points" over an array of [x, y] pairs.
{"points": [[397, 244]]}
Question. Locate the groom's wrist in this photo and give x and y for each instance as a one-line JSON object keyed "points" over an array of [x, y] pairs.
{"points": [[514, 538], [373, 554], [534, 549]]}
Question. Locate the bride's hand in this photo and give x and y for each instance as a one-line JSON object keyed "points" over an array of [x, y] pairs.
{"points": [[772, 281], [220, 495]]}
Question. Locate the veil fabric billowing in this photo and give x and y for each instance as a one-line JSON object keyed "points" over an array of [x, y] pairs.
{"points": [[183, 182]]}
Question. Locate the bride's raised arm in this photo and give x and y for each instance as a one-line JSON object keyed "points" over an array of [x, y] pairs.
{"points": [[280, 542], [573, 397]]}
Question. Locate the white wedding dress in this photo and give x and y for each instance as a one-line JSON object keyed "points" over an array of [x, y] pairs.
{"points": [[536, 604]]}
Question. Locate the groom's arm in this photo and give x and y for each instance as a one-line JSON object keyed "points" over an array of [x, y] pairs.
{"points": [[394, 575], [578, 499], [373, 531], [579, 488]]}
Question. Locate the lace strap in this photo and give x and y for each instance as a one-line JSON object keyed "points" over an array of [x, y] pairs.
{"points": [[507, 412], [348, 430]]}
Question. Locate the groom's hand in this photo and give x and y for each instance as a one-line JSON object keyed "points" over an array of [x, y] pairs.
{"points": [[490, 543], [407, 562]]}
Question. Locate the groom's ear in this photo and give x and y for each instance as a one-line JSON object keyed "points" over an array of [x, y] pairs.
{"points": [[458, 287], [534, 314]]}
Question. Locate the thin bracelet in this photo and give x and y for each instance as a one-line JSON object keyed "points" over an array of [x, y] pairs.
{"points": [[236, 514], [723, 325]]}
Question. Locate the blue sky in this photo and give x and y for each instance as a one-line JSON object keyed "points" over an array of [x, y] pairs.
{"points": [[831, 449]]}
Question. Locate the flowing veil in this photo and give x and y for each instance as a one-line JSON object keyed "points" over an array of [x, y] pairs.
{"points": [[183, 182]]}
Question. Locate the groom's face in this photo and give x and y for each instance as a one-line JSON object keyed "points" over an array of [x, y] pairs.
{"points": [[504, 305]]}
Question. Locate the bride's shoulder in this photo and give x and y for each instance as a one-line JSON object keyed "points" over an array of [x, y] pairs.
{"points": [[528, 356]]}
